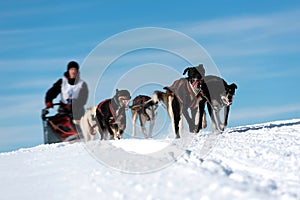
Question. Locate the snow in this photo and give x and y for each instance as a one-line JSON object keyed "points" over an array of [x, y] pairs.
{"points": [[260, 161]]}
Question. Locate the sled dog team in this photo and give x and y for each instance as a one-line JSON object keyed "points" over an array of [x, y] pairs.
{"points": [[186, 97]]}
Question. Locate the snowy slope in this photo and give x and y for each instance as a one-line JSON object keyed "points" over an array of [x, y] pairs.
{"points": [[252, 162]]}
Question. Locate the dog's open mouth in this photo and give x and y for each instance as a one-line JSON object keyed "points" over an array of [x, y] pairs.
{"points": [[196, 86], [196, 83]]}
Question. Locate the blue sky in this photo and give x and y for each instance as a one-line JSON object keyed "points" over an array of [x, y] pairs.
{"points": [[255, 44]]}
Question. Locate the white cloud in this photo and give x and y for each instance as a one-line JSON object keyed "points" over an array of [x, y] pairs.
{"points": [[270, 24], [248, 35]]}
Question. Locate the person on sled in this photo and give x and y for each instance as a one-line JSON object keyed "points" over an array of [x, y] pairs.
{"points": [[73, 91]]}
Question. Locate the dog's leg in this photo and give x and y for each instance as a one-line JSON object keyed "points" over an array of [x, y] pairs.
{"points": [[177, 116], [226, 112], [102, 132], [201, 116], [120, 127], [190, 120], [198, 118], [102, 125], [180, 124], [152, 122], [114, 129], [120, 130], [134, 118], [195, 116], [204, 122], [142, 123], [212, 117], [220, 125], [170, 112], [111, 132]]}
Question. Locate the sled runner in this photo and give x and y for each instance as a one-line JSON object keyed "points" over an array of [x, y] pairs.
{"points": [[59, 127]]}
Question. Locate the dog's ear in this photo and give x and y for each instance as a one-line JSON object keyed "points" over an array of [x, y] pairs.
{"points": [[186, 70], [233, 85], [117, 91], [201, 70]]}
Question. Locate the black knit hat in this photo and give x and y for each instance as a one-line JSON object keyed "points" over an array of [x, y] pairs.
{"points": [[73, 64]]}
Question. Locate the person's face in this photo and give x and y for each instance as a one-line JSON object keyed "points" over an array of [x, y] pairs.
{"points": [[73, 72]]}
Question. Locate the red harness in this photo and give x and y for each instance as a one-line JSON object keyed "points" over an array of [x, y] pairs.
{"points": [[179, 88], [115, 117]]}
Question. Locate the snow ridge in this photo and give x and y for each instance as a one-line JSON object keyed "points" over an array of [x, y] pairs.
{"points": [[258, 161]]}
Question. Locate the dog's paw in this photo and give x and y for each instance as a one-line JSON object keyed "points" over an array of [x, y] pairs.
{"points": [[222, 127]]}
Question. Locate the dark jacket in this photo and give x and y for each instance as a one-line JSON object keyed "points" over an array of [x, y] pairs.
{"points": [[77, 104]]}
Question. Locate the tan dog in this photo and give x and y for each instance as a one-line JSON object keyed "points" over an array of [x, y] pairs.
{"points": [[146, 110]]}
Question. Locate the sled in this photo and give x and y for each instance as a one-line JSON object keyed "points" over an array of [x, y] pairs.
{"points": [[58, 127]]}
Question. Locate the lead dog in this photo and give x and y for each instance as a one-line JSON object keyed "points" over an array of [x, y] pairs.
{"points": [[217, 94], [111, 114], [146, 110], [182, 95]]}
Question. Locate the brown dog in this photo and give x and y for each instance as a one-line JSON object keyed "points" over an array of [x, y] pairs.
{"points": [[111, 114], [182, 95]]}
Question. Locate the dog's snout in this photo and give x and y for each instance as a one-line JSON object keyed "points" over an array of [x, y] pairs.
{"points": [[126, 101]]}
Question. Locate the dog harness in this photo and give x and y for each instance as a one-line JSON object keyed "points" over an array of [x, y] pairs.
{"points": [[141, 103], [116, 116], [190, 98]]}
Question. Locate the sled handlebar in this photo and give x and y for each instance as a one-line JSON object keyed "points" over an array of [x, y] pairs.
{"points": [[45, 111], [57, 104]]}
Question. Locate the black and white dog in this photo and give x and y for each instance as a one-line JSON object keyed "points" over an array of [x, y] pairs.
{"points": [[111, 114], [217, 94], [146, 110], [183, 95]]}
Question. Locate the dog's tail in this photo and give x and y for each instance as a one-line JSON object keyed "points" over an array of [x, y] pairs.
{"points": [[158, 96]]}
